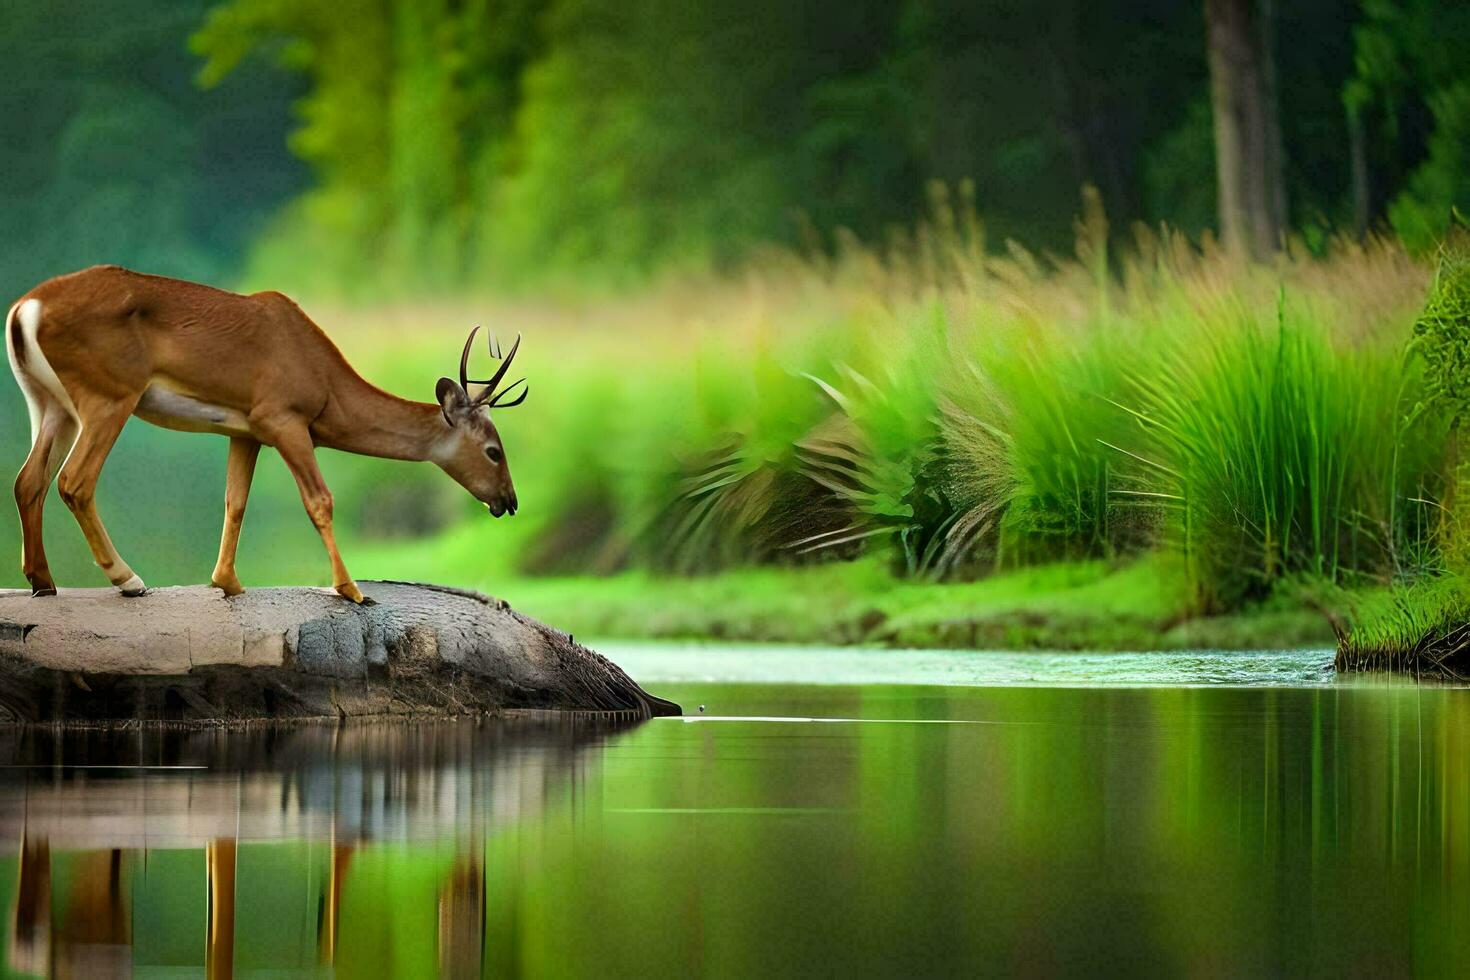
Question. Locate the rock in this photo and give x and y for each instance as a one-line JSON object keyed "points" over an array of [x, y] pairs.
{"points": [[189, 654]]}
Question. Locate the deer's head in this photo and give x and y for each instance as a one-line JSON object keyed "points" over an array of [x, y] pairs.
{"points": [[471, 451]]}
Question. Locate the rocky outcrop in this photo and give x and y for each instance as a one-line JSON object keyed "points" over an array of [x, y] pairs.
{"points": [[189, 654]]}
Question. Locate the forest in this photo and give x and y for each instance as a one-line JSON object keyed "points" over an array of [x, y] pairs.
{"points": [[371, 147], [921, 322]]}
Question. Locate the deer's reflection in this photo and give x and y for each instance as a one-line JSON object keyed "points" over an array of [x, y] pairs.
{"points": [[331, 917], [98, 851], [84, 932], [30, 938], [462, 919]]}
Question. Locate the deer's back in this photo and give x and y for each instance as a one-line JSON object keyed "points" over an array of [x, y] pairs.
{"points": [[111, 327]]}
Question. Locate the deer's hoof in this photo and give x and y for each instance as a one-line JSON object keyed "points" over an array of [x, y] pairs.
{"points": [[133, 587], [230, 587], [42, 591], [349, 590]]}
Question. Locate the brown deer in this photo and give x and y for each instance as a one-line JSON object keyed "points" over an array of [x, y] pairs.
{"points": [[92, 348]]}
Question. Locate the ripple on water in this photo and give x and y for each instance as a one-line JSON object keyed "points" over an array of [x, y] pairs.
{"points": [[732, 663]]}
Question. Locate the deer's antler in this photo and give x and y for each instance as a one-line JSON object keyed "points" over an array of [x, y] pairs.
{"points": [[488, 395], [495, 400]]}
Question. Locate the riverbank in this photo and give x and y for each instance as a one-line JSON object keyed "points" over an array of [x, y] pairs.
{"points": [[1422, 629], [1090, 605]]}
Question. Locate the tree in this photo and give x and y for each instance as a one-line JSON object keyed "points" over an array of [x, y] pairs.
{"points": [[1408, 101], [1248, 155]]}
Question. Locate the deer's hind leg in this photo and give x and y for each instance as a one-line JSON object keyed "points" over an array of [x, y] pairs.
{"points": [[102, 421], [56, 432]]}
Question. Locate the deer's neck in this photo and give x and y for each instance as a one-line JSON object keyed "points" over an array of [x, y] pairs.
{"points": [[368, 421]]}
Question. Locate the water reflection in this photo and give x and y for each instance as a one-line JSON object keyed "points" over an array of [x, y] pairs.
{"points": [[1207, 831], [112, 830]]}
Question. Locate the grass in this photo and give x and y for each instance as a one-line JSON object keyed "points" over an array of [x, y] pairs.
{"points": [[1287, 455], [1092, 604], [1422, 627], [933, 446], [949, 415]]}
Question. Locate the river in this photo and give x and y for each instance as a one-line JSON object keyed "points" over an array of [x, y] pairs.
{"points": [[829, 812]]}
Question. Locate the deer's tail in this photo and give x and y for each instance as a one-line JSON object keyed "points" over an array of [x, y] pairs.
{"points": [[28, 363]]}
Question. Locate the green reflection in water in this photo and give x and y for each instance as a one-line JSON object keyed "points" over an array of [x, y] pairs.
{"points": [[1195, 830]]}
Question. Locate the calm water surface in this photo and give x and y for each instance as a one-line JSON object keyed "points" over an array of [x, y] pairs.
{"points": [[1006, 813]]}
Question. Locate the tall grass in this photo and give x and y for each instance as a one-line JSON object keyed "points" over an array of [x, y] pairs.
{"points": [[1286, 454], [958, 408]]}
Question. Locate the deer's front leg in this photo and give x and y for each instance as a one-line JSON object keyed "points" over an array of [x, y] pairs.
{"points": [[296, 448], [238, 474]]}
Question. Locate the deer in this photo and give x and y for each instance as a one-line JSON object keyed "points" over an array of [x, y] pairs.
{"points": [[93, 348]]}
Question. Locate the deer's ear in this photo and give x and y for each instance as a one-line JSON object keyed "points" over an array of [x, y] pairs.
{"points": [[451, 397]]}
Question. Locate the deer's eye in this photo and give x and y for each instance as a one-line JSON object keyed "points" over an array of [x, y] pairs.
{"points": [[494, 454]]}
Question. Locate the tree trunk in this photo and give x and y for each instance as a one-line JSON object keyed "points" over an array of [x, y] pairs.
{"points": [[1248, 154], [1358, 148]]}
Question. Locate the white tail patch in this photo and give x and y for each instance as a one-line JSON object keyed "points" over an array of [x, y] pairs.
{"points": [[34, 374], [32, 407]]}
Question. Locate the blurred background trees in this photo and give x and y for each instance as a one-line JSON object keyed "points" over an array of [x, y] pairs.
{"points": [[359, 146], [111, 151]]}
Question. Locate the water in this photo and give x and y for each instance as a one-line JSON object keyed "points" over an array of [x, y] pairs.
{"points": [[831, 822], [772, 664]]}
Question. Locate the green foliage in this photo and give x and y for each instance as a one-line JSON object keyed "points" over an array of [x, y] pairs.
{"points": [[727, 498], [949, 403], [1050, 401], [1179, 171], [506, 144], [1013, 417], [1410, 85], [1442, 333], [381, 127], [944, 413], [645, 136], [876, 455], [1421, 214], [509, 141]]}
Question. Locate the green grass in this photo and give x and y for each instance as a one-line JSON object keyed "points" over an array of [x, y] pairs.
{"points": [[1009, 457], [985, 417], [982, 452], [1422, 626], [1093, 604], [1287, 454]]}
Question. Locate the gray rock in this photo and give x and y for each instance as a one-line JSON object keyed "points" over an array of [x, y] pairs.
{"points": [[189, 654]]}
